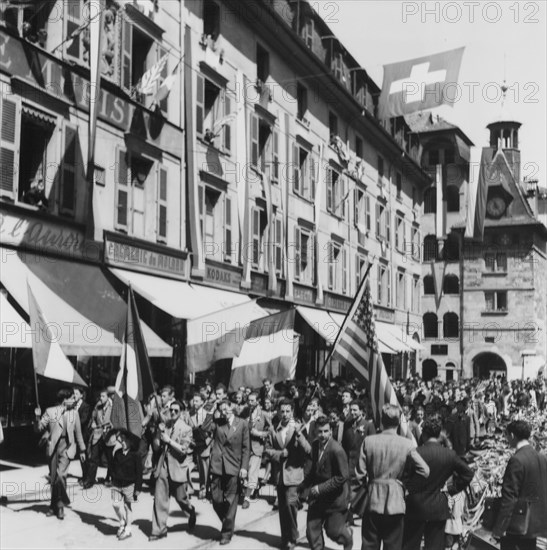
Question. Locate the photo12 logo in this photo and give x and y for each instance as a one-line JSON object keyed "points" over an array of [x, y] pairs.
{"points": [[470, 12]]}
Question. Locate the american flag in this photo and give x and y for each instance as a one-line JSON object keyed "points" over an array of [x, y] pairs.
{"points": [[357, 346]]}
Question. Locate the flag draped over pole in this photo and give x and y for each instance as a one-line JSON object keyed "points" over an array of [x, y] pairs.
{"points": [[420, 84], [134, 381], [48, 357], [357, 346]]}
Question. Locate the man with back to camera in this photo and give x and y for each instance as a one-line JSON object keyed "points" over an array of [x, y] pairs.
{"points": [[524, 485], [385, 460], [426, 505], [327, 482]]}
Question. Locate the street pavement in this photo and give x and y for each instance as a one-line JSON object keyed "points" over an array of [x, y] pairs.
{"points": [[90, 521]]}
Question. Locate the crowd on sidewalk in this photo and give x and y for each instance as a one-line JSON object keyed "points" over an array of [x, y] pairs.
{"points": [[317, 442]]}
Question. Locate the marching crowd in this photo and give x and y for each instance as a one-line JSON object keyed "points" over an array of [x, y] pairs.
{"points": [[317, 443]]}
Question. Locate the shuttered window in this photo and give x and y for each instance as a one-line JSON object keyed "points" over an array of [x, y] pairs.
{"points": [[161, 227], [10, 130], [122, 191], [228, 251], [68, 185]]}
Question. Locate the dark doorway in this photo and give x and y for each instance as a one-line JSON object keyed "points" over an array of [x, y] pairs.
{"points": [[487, 362]]}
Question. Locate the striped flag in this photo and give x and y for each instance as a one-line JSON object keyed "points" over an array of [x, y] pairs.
{"points": [[357, 346], [270, 350], [147, 83], [48, 357], [134, 381]]}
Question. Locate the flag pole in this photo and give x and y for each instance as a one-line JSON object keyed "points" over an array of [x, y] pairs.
{"points": [[333, 347]]}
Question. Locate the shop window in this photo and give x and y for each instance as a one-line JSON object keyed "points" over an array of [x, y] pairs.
{"points": [[213, 104], [451, 284], [431, 325], [336, 193], [305, 170], [304, 256], [452, 199], [431, 248], [496, 301], [451, 327], [430, 201]]}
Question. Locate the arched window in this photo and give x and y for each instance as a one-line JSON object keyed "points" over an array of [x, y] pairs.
{"points": [[452, 199], [451, 284], [431, 325], [451, 327], [451, 248], [431, 248], [430, 201], [429, 285]]}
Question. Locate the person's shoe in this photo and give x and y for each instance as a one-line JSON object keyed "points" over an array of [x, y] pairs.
{"points": [[202, 494], [50, 513], [152, 538], [275, 504], [61, 513], [349, 544], [192, 518], [225, 540], [289, 546], [246, 504], [125, 535], [120, 530]]}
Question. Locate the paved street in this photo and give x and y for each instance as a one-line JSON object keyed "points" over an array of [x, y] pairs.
{"points": [[90, 521]]}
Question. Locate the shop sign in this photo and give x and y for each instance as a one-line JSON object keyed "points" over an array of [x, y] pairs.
{"points": [[337, 303], [223, 277], [136, 258], [23, 230], [384, 314], [303, 294]]}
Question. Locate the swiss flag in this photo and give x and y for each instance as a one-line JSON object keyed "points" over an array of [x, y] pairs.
{"points": [[420, 84]]}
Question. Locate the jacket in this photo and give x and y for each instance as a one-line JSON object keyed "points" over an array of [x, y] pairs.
{"points": [[231, 448], [259, 426], [52, 424], [202, 432], [354, 434], [179, 463], [291, 470], [525, 479], [425, 500], [100, 421], [385, 461], [329, 472]]}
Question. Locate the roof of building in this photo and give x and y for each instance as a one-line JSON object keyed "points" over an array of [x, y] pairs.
{"points": [[424, 122]]}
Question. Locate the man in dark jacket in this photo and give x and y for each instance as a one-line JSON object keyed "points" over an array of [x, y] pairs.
{"points": [[328, 483], [524, 485], [426, 505], [458, 429]]}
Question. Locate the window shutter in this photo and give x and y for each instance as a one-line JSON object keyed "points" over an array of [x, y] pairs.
{"points": [[10, 131], [297, 254], [356, 195], [122, 190], [254, 140], [344, 271], [330, 197], [228, 229], [201, 200], [388, 226], [275, 156], [367, 212], [314, 168], [70, 166], [378, 220], [164, 103], [227, 126], [256, 236], [200, 104], [126, 53], [278, 228], [73, 19], [162, 204], [296, 169]]}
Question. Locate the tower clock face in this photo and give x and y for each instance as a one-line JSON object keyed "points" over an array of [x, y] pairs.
{"points": [[495, 207]]}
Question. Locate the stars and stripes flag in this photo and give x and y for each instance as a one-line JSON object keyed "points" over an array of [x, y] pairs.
{"points": [[48, 357], [134, 382], [357, 346], [147, 83]]}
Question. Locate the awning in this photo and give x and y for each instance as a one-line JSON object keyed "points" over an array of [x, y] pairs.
{"points": [[85, 312], [12, 327], [407, 341], [386, 334], [177, 298], [321, 321]]}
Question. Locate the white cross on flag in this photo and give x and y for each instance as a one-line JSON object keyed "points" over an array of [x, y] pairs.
{"points": [[420, 84]]}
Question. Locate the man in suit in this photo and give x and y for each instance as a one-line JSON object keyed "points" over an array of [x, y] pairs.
{"points": [[201, 422], [229, 461], [426, 505], [100, 425], [288, 448], [384, 460], [524, 481], [62, 433], [172, 472], [259, 427], [268, 391], [458, 429], [416, 423], [84, 412], [328, 495]]}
